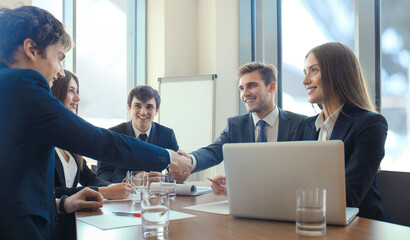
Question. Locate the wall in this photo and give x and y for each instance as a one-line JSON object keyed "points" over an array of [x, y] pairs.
{"points": [[196, 37], [14, 3]]}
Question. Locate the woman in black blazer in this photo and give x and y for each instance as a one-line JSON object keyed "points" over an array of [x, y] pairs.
{"points": [[71, 169], [334, 80], [67, 91]]}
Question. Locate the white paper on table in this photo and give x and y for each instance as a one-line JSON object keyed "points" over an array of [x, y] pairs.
{"points": [[110, 221], [118, 200], [184, 189], [221, 207]]}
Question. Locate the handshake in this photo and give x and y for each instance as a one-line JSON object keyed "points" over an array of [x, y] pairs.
{"points": [[181, 166]]}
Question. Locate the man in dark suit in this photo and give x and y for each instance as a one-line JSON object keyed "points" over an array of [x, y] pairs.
{"points": [[33, 44], [265, 122], [143, 104]]}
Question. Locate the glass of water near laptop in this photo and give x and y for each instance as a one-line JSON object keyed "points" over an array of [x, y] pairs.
{"points": [[155, 214], [311, 211]]}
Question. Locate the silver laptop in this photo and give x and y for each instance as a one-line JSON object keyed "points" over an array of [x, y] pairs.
{"points": [[263, 178]]}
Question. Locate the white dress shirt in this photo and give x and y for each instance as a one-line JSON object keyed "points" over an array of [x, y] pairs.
{"points": [[70, 168], [326, 127], [271, 126], [137, 132]]}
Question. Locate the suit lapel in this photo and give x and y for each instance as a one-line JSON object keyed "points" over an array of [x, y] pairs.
{"points": [[59, 169], [311, 133], [284, 126], [129, 130], [249, 128], [77, 176], [343, 123], [153, 134]]}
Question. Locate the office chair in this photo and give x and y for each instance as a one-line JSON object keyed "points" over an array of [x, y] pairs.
{"points": [[394, 188]]}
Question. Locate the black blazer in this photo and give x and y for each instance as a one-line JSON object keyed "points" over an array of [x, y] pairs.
{"points": [[159, 135], [84, 176], [363, 134]]}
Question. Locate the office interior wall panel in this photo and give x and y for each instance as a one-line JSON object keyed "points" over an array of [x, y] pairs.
{"points": [[15, 3], [196, 37]]}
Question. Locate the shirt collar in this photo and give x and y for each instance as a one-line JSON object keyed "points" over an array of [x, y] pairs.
{"points": [[330, 121], [271, 119], [138, 132]]}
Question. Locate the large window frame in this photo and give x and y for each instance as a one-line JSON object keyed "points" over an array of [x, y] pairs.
{"points": [[136, 40], [260, 39]]}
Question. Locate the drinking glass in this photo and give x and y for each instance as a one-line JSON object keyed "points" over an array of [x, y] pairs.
{"points": [[155, 214], [311, 212], [139, 183]]}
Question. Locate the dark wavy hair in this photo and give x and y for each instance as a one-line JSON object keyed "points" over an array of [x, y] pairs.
{"points": [[17, 25], [144, 93]]}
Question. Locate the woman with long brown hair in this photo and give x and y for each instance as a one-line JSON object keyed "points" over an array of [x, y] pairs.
{"points": [[70, 168], [334, 80]]}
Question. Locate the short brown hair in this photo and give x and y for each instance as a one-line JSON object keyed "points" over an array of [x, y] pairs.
{"points": [[31, 22], [267, 71], [144, 93]]}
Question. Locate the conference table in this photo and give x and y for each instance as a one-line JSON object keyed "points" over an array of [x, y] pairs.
{"points": [[210, 226]]}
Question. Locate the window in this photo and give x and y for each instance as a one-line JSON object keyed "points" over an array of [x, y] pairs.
{"points": [[306, 24], [101, 61], [54, 7], [395, 51]]}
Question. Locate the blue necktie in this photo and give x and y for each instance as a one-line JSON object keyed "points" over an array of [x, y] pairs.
{"points": [[262, 134]]}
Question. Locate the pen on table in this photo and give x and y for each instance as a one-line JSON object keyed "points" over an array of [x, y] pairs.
{"points": [[122, 213], [218, 182]]}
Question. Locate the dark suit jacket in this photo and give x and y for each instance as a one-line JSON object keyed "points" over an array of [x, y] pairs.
{"points": [[363, 134], [84, 176], [32, 122], [159, 135], [241, 129]]}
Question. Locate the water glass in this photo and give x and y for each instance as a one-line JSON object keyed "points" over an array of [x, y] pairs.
{"points": [[139, 183], [155, 214], [311, 212], [168, 184]]}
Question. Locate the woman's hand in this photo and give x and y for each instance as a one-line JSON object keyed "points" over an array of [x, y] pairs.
{"points": [[116, 191]]}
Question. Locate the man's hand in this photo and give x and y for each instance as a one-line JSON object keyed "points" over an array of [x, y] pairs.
{"points": [[180, 167], [116, 191], [84, 199], [218, 186], [182, 153]]}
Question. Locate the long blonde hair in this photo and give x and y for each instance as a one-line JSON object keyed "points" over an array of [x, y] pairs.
{"points": [[341, 76]]}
